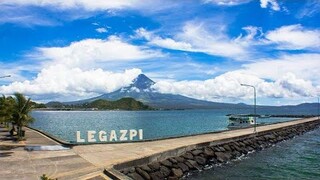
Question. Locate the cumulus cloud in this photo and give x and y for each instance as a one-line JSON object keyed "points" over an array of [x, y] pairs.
{"points": [[101, 30], [288, 76], [64, 82], [295, 37], [86, 52], [273, 4], [303, 65], [194, 37], [228, 86], [73, 71]]}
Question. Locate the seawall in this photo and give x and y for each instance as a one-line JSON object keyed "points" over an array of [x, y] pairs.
{"points": [[177, 163]]}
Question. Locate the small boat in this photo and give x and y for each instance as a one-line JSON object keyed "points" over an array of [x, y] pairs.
{"points": [[238, 121]]}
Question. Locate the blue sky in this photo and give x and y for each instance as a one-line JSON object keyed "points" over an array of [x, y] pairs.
{"points": [[75, 49]]}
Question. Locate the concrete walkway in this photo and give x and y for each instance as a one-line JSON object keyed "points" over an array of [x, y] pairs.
{"points": [[106, 155], [88, 161], [17, 163]]}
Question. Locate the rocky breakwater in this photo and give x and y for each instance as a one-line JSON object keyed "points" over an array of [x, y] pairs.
{"points": [[211, 154]]}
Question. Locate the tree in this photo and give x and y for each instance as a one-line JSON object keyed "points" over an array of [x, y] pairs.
{"points": [[6, 109], [21, 112]]}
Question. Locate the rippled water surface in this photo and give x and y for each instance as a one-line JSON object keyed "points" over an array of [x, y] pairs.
{"points": [[298, 158], [155, 124]]}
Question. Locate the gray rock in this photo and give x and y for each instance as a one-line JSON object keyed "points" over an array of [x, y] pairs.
{"points": [[221, 157], [208, 152], [173, 160], [196, 152], [154, 166], [194, 164], [217, 149], [222, 149], [135, 176], [165, 171], [189, 165], [156, 175], [173, 178], [145, 168], [166, 163], [242, 144], [227, 147], [143, 173], [131, 170], [228, 156], [188, 155], [236, 154], [200, 160], [183, 167], [179, 159], [177, 172], [250, 148]]}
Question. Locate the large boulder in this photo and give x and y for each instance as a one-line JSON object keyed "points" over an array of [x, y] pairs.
{"points": [[196, 152], [143, 173], [166, 163], [135, 176], [200, 160], [177, 172], [183, 167], [154, 166], [188, 155], [165, 171]]}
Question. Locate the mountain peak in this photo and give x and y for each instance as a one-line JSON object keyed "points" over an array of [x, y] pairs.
{"points": [[142, 82]]}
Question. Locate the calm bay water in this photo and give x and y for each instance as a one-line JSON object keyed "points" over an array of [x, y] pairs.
{"points": [[297, 158], [155, 124]]}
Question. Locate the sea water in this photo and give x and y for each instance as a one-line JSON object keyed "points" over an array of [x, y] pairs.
{"points": [[297, 158], [155, 124]]}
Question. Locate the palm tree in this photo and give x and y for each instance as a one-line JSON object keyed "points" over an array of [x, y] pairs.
{"points": [[21, 110], [6, 108]]}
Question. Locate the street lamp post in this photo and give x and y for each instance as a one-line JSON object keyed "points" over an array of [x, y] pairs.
{"points": [[255, 106]]}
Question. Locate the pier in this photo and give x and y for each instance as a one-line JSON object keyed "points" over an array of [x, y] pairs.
{"points": [[106, 161]]}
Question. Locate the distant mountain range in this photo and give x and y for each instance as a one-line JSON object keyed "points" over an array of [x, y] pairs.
{"points": [[141, 90]]}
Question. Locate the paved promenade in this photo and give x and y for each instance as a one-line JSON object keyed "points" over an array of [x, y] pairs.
{"points": [[17, 163]]}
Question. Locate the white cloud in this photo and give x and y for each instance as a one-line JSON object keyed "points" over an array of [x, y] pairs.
{"points": [[101, 30], [66, 4], [295, 37], [67, 83], [194, 37], [302, 65], [227, 2], [288, 76], [91, 51], [227, 86], [273, 4], [74, 71]]}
